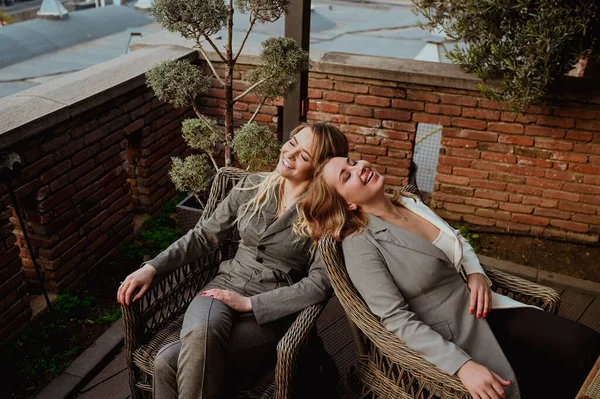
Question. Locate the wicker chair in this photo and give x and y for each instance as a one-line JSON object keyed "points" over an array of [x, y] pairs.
{"points": [[386, 367], [155, 319]]}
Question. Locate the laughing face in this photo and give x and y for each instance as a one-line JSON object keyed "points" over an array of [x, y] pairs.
{"points": [[295, 162], [358, 182]]}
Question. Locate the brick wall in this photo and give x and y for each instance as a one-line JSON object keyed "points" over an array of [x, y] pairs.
{"points": [[538, 172]]}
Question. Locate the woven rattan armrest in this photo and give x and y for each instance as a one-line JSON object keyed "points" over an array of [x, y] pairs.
{"points": [[291, 347], [524, 290]]}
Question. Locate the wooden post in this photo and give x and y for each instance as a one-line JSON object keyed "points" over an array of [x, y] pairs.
{"points": [[297, 26]]}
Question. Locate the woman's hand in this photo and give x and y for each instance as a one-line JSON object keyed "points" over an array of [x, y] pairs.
{"points": [[234, 300], [481, 295], [141, 279], [481, 382]]}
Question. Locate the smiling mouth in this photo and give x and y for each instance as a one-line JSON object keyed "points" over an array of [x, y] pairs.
{"points": [[285, 163], [369, 177]]}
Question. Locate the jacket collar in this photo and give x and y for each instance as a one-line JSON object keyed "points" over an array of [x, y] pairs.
{"points": [[284, 221]]}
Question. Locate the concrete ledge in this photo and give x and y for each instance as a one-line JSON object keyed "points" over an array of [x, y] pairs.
{"points": [[86, 365], [541, 276], [29, 112]]}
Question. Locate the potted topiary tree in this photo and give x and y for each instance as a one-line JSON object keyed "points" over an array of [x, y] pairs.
{"points": [[526, 44], [180, 83]]}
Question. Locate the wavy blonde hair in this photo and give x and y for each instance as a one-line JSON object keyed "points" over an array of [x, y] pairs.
{"points": [[328, 142], [325, 212]]}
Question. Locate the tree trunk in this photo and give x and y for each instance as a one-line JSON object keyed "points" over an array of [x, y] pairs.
{"points": [[229, 88]]}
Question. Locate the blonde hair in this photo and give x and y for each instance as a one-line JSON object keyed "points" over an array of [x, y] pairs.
{"points": [[328, 142], [325, 212]]}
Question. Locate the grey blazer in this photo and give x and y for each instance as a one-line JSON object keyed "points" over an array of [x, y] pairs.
{"points": [[418, 295], [272, 266]]}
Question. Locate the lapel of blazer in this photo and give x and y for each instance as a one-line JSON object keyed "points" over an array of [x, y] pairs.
{"points": [[283, 222], [385, 231]]}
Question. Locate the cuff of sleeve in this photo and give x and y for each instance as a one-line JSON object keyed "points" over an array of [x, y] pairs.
{"points": [[480, 272], [258, 309], [458, 364]]}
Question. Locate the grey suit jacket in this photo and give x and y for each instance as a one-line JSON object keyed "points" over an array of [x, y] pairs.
{"points": [[417, 294], [272, 265]]}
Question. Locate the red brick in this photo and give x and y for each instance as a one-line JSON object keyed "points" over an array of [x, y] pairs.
{"points": [[325, 106], [490, 184], [524, 141], [312, 94], [579, 135], [572, 226], [479, 113], [363, 121], [446, 169], [481, 202], [589, 125], [397, 171], [569, 157], [367, 131], [588, 219], [479, 174], [526, 171], [392, 114], [545, 131], [553, 144], [521, 208], [497, 157], [320, 84], [479, 220], [577, 207], [559, 175], [458, 180], [486, 165], [469, 123], [439, 196], [373, 140], [403, 126], [446, 160], [590, 199], [404, 145], [506, 128], [556, 122], [443, 109], [460, 208], [479, 136], [365, 149], [529, 161], [464, 191], [339, 97], [450, 142], [357, 110], [561, 195], [405, 163], [372, 101], [587, 148], [354, 138], [574, 113], [515, 188], [496, 147], [589, 169], [490, 194], [423, 96], [591, 180], [462, 152], [552, 213], [56, 171], [393, 134], [485, 103], [581, 188], [458, 100], [529, 219], [512, 226], [351, 87], [595, 159], [411, 105], [387, 92], [494, 214], [543, 202], [432, 119]]}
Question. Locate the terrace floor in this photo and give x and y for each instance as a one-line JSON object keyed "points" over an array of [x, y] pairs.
{"points": [[112, 381]]}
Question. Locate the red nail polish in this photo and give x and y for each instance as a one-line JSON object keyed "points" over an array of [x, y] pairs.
{"points": [[471, 311], [212, 296], [478, 315], [485, 314]]}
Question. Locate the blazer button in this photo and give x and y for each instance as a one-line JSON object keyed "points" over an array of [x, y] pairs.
{"points": [[261, 247], [259, 260]]}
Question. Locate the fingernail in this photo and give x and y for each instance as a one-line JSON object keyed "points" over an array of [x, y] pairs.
{"points": [[202, 294], [484, 314], [471, 311], [478, 315], [212, 296]]}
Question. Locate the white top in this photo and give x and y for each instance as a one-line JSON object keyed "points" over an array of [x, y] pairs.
{"points": [[445, 243]]}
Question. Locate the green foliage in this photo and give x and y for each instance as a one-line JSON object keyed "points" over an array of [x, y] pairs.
{"points": [[282, 60], [192, 174], [527, 44], [190, 18], [264, 10], [5, 19], [256, 146], [177, 82], [200, 135], [155, 235], [472, 238]]}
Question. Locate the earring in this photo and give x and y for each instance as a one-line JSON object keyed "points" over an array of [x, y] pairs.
{"points": [[352, 207]]}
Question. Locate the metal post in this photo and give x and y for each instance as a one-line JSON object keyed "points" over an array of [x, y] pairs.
{"points": [[10, 167], [297, 26]]}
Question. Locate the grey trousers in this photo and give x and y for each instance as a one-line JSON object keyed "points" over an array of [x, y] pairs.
{"points": [[213, 336]]}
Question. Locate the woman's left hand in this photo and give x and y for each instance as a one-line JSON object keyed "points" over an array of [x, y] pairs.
{"points": [[234, 300], [481, 295]]}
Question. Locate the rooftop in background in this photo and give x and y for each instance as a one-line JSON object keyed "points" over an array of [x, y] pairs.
{"points": [[41, 50]]}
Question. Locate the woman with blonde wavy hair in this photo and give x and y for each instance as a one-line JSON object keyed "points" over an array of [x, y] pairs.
{"points": [[239, 317], [424, 282]]}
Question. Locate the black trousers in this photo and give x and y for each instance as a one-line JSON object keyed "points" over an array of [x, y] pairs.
{"points": [[550, 355]]}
